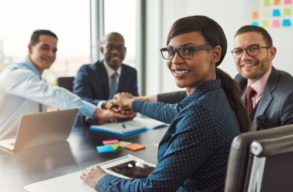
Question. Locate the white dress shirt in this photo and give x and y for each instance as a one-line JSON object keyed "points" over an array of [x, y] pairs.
{"points": [[22, 89], [110, 72]]}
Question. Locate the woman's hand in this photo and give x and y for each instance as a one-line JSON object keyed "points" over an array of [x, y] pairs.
{"points": [[106, 115], [92, 175], [123, 101]]}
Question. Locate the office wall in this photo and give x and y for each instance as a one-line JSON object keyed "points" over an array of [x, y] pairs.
{"points": [[230, 14]]}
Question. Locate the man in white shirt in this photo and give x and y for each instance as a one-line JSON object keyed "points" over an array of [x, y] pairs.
{"points": [[22, 88]]}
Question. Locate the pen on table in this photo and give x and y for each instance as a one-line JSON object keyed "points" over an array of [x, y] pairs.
{"points": [[123, 125]]}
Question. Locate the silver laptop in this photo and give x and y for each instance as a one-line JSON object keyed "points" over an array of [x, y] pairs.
{"points": [[41, 128]]}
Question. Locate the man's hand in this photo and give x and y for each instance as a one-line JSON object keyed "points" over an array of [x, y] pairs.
{"points": [[123, 101], [106, 115], [92, 175]]}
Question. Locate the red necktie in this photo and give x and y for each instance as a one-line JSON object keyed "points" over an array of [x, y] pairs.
{"points": [[250, 92]]}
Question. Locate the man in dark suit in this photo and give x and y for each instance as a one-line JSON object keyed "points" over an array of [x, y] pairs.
{"points": [[272, 97], [271, 104], [99, 81]]}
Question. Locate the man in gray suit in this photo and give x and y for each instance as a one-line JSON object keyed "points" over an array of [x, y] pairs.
{"points": [[272, 101]]}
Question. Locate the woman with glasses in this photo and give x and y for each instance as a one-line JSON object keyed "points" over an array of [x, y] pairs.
{"points": [[193, 153]]}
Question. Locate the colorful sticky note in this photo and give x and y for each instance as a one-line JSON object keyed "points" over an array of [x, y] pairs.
{"points": [[135, 147], [286, 23], [277, 2], [104, 148], [124, 143], [276, 23], [108, 142], [254, 23], [276, 13], [287, 12], [286, 2], [267, 3], [255, 15], [115, 147], [265, 24]]}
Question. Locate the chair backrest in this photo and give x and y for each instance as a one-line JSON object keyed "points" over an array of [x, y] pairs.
{"points": [[65, 82], [261, 161]]}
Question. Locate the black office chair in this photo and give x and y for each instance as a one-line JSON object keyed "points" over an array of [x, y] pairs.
{"points": [[65, 82], [261, 161]]}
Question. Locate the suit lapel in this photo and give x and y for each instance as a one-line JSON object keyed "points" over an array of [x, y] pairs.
{"points": [[122, 79], [104, 75], [267, 96]]}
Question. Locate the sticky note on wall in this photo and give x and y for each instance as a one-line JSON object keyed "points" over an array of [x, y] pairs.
{"points": [[254, 23], [286, 23], [287, 11], [255, 15], [265, 24], [277, 2], [276, 13], [276, 23], [286, 2], [267, 3]]}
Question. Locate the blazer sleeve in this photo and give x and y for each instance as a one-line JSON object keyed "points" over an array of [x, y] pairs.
{"points": [[157, 110], [82, 85], [287, 111], [135, 88], [128, 80]]}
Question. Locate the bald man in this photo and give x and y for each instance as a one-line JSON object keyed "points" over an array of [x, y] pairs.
{"points": [[99, 81]]}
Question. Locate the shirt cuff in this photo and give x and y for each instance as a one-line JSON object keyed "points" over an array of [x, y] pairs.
{"points": [[87, 109], [153, 98], [104, 182]]}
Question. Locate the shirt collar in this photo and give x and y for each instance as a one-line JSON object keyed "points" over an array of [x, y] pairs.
{"points": [[260, 84], [204, 88], [28, 64], [110, 71]]}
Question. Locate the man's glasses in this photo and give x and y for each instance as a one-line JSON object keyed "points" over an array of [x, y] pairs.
{"points": [[252, 50], [119, 47], [185, 51]]}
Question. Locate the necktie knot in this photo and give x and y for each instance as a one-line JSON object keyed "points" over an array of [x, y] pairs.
{"points": [[114, 76], [250, 92]]}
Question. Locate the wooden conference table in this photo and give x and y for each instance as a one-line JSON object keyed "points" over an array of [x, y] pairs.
{"points": [[78, 152]]}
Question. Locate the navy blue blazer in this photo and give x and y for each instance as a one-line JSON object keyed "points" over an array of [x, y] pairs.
{"points": [[275, 108], [91, 82]]}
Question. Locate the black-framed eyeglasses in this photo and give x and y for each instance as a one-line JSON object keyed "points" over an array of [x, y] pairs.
{"points": [[251, 50], [185, 51], [118, 47]]}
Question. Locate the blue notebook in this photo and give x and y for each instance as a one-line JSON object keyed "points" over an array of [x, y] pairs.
{"points": [[131, 127]]}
